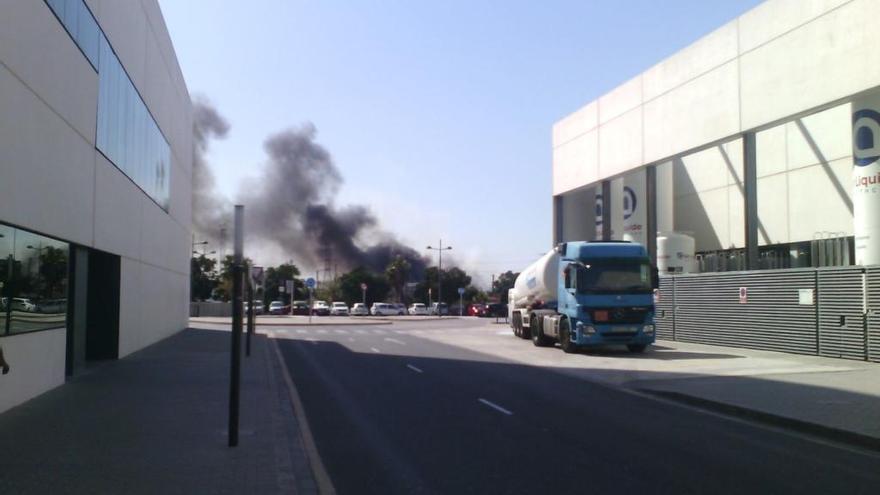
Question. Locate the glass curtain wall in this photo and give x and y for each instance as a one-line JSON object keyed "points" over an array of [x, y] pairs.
{"points": [[33, 281]]}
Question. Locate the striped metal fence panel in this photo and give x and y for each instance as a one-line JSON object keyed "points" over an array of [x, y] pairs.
{"points": [[772, 316], [664, 316], [841, 312], [873, 330]]}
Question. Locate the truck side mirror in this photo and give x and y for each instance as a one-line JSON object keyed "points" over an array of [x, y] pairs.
{"points": [[655, 278]]}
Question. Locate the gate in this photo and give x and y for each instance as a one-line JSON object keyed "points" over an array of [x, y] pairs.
{"points": [[842, 329]]}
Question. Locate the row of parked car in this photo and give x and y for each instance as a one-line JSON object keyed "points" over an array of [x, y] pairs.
{"points": [[339, 308]]}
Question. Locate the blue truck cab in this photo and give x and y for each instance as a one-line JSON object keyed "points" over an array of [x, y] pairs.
{"points": [[604, 296]]}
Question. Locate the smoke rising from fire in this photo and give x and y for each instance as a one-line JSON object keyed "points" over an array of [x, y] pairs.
{"points": [[291, 204]]}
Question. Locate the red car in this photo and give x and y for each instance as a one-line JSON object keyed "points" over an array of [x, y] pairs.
{"points": [[478, 309]]}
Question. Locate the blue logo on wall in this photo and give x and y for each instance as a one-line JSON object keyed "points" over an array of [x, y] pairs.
{"points": [[866, 132], [629, 204]]}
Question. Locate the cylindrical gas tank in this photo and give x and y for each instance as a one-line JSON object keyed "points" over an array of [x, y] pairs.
{"points": [[538, 282], [675, 253]]}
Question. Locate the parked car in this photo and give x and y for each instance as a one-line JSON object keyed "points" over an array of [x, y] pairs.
{"points": [[401, 308], [418, 309], [497, 310], [359, 309], [439, 309], [477, 309], [300, 308], [52, 306], [258, 307], [383, 309], [277, 308], [320, 308], [339, 309], [23, 304]]}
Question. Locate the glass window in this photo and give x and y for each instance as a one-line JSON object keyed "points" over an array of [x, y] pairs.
{"points": [[34, 277], [87, 34]]}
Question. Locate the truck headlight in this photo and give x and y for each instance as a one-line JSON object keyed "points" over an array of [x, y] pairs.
{"points": [[648, 329], [586, 329]]}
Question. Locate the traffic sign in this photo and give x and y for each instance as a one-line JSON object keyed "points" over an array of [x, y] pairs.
{"points": [[311, 283], [363, 286], [461, 291]]}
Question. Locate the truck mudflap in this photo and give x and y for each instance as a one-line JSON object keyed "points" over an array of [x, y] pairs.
{"points": [[596, 335]]}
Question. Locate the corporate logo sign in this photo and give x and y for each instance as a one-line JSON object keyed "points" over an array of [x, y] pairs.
{"points": [[866, 149], [629, 204], [866, 179]]}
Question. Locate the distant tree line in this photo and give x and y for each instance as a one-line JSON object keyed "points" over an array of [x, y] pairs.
{"points": [[210, 282]]}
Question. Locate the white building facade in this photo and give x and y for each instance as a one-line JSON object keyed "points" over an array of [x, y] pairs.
{"points": [[95, 187], [743, 140]]}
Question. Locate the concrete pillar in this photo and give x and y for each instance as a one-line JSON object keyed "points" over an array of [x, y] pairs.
{"points": [[616, 208], [558, 233], [665, 219], [750, 182], [650, 208], [604, 203]]}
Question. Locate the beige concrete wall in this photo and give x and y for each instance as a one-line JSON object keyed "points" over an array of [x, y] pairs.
{"points": [[779, 59], [56, 183]]}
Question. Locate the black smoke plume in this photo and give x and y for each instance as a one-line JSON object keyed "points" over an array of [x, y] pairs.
{"points": [[291, 204]]}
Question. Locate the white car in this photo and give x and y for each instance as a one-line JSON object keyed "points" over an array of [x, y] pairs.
{"points": [[418, 309], [339, 309], [359, 309], [383, 309], [320, 308]]}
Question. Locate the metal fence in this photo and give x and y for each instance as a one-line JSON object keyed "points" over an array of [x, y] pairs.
{"points": [[831, 311]]}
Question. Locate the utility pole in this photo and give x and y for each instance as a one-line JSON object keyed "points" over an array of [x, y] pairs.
{"points": [[440, 250]]}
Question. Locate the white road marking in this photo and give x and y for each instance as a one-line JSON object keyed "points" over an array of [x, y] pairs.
{"points": [[504, 332], [375, 350], [361, 332], [351, 339], [379, 332], [389, 339], [302, 331], [342, 331], [496, 407], [414, 368], [322, 331], [400, 332]]}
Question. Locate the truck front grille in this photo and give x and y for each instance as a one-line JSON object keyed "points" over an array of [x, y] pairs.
{"points": [[624, 314]]}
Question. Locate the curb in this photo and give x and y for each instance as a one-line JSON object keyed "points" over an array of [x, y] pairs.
{"points": [[297, 324], [815, 429]]}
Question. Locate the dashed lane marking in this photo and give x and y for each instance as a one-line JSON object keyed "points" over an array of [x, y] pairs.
{"points": [[389, 339], [414, 368], [375, 350], [495, 406]]}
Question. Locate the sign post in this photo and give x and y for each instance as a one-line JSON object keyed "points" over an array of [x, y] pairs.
{"points": [[256, 279], [310, 283], [237, 307], [364, 294], [460, 301]]}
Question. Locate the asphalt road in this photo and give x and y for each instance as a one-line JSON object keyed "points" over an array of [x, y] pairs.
{"points": [[394, 412]]}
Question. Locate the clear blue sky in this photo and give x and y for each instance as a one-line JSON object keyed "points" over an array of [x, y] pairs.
{"points": [[438, 114]]}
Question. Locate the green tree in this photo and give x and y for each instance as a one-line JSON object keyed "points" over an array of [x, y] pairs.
{"points": [[502, 284], [397, 273], [223, 290], [203, 280], [452, 278], [349, 286], [53, 271], [275, 277]]}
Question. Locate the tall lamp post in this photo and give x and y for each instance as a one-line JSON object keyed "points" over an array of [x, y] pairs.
{"points": [[440, 273]]}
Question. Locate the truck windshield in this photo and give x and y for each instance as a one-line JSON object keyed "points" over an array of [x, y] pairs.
{"points": [[614, 276]]}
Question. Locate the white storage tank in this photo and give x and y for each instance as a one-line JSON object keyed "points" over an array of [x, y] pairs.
{"points": [[538, 282], [675, 253]]}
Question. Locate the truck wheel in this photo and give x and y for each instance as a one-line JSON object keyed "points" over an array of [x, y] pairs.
{"points": [[565, 342], [538, 337], [637, 348], [516, 323]]}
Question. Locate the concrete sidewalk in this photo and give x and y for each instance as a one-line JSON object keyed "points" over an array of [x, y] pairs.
{"points": [[156, 422]]}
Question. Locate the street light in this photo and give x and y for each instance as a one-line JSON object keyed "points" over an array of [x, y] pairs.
{"points": [[440, 273]]}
